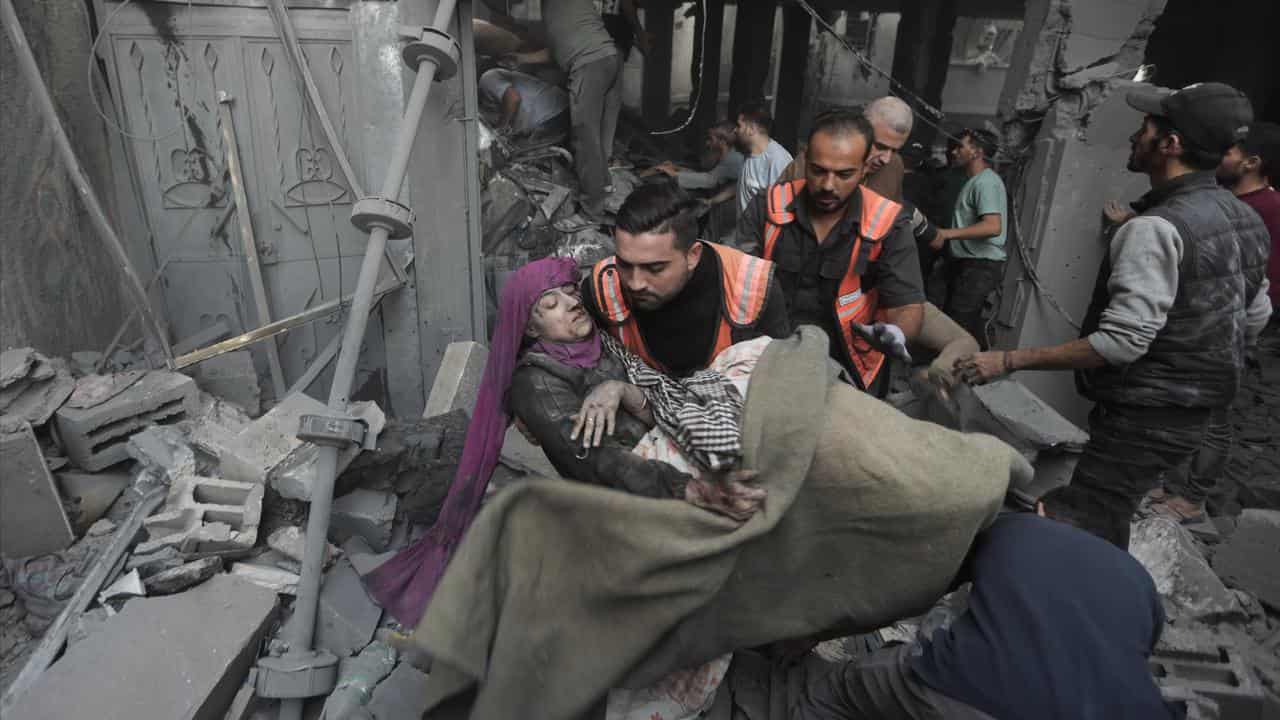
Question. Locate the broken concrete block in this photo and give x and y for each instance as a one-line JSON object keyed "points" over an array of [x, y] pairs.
{"points": [[85, 362], [16, 364], [92, 390], [182, 577], [291, 542], [271, 578], [1182, 577], [457, 382], [1220, 676], [179, 656], [36, 400], [362, 557], [32, 520], [232, 377], [205, 516], [402, 695], [346, 616], [367, 513], [294, 476], [267, 441], [164, 449], [1249, 560], [95, 437], [268, 450], [216, 425], [89, 495]]}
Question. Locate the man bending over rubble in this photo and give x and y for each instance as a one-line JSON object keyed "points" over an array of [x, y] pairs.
{"points": [[1059, 625]]}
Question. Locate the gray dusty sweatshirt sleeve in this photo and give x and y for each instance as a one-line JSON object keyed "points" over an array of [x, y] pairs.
{"points": [[1145, 253], [1259, 313]]}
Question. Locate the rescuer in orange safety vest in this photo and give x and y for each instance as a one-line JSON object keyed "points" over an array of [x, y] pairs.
{"points": [[845, 256], [674, 300]]}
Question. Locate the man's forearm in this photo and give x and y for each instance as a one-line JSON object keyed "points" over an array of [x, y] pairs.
{"points": [[908, 318], [987, 228], [1075, 355]]}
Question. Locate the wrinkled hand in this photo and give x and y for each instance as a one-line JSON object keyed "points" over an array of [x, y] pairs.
{"points": [[1117, 212], [667, 168], [726, 493], [885, 337], [981, 368], [598, 414]]}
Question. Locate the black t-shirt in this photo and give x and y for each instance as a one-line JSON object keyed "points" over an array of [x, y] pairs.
{"points": [[810, 273], [1059, 626]]}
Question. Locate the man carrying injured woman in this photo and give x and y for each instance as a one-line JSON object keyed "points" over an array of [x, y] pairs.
{"points": [[825, 518]]}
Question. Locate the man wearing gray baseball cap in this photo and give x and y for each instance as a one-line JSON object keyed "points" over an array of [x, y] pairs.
{"points": [[1162, 346]]}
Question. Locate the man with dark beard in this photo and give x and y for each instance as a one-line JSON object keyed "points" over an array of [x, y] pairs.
{"points": [[1164, 339], [845, 255]]}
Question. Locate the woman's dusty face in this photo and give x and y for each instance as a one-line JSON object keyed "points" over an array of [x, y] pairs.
{"points": [[558, 316]]}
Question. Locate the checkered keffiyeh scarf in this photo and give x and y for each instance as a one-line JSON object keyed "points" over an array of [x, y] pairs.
{"points": [[702, 413]]}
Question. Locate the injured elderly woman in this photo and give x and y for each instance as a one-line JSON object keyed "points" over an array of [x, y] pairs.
{"points": [[599, 413]]}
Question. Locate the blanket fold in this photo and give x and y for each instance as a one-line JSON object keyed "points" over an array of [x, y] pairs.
{"points": [[561, 591]]}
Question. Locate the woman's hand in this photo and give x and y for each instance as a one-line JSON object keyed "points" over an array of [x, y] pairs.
{"points": [[727, 493], [599, 413]]}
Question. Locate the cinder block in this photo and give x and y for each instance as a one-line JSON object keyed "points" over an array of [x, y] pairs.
{"points": [[32, 521], [95, 437], [457, 381], [179, 656], [268, 440], [206, 516], [1222, 677]]}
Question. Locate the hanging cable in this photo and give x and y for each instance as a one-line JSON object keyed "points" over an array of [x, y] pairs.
{"points": [[697, 82]]}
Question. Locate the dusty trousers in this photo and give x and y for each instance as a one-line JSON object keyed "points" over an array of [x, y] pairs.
{"points": [[595, 98], [1128, 449]]}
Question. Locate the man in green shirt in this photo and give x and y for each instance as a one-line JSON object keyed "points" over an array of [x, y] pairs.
{"points": [[975, 241]]}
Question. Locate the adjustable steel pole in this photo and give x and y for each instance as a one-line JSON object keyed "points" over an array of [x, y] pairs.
{"points": [[303, 672]]}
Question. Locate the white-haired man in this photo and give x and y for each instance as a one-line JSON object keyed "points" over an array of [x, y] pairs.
{"points": [[891, 119]]}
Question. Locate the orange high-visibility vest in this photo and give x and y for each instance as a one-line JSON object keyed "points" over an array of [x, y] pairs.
{"points": [[745, 281], [851, 303]]}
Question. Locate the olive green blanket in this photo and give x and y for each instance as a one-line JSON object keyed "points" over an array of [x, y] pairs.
{"points": [[561, 590]]}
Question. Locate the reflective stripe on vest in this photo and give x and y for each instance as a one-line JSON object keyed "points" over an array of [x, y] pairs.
{"points": [[745, 286], [852, 304]]}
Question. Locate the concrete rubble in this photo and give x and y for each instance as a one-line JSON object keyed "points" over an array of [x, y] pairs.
{"points": [[206, 516], [1182, 575], [268, 450], [88, 496], [182, 577], [346, 617], [32, 520], [291, 541], [185, 646], [231, 377], [32, 386], [1249, 559], [366, 513], [96, 437], [457, 382]]}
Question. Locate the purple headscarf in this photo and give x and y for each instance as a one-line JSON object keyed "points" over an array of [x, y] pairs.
{"points": [[404, 584]]}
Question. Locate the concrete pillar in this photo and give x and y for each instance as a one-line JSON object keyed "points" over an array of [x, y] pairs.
{"points": [[796, 29], [922, 53], [706, 66], [655, 97], [752, 43]]}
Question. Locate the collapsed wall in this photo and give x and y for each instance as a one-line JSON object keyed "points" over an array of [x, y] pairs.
{"points": [[1063, 113]]}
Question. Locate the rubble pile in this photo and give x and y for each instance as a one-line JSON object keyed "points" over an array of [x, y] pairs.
{"points": [[225, 542]]}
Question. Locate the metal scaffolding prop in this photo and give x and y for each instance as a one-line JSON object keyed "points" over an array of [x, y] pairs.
{"points": [[302, 671], [31, 71]]}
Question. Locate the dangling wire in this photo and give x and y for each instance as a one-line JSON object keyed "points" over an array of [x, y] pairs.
{"points": [[697, 83]]}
